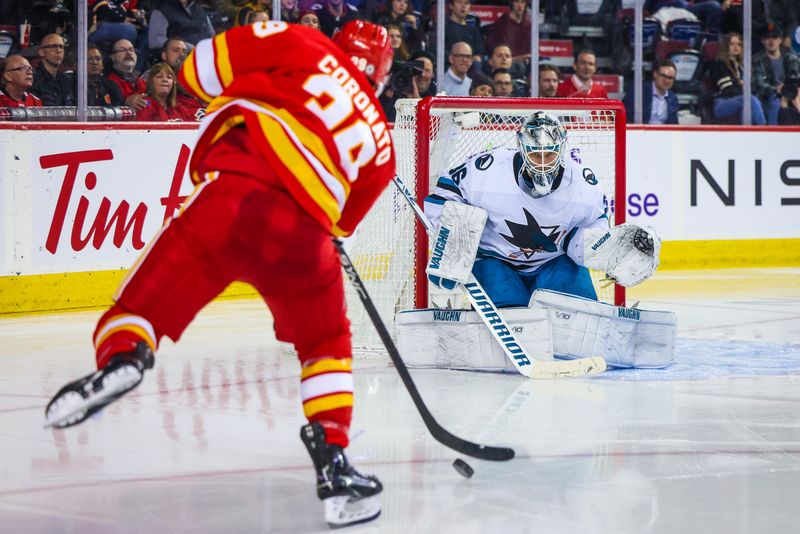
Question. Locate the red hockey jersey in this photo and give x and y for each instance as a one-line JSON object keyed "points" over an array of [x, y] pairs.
{"points": [[312, 113]]}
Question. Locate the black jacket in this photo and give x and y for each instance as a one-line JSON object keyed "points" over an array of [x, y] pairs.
{"points": [[726, 78], [103, 92], [54, 91], [190, 24]]}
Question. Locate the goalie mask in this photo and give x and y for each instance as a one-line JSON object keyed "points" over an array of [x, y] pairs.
{"points": [[368, 46], [541, 142]]}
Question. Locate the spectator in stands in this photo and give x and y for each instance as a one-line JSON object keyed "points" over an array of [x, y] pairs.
{"points": [[771, 68], [289, 11], [100, 91], [333, 14], [481, 85], [50, 83], [17, 80], [426, 85], [659, 103], [503, 83], [789, 114], [549, 77], [399, 13], [257, 16], [456, 81], [309, 18], [513, 29], [726, 72], [185, 18], [124, 74], [463, 27], [580, 84], [242, 10], [401, 84], [401, 52], [786, 15], [173, 53], [733, 17], [161, 102], [500, 58], [709, 12], [114, 20]]}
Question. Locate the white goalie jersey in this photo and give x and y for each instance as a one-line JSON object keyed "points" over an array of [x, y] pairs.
{"points": [[524, 231]]}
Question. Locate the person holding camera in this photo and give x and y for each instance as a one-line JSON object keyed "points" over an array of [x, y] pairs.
{"points": [[402, 84], [426, 84], [789, 113], [771, 68]]}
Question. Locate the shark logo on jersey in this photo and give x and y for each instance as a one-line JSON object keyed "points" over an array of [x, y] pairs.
{"points": [[530, 238]]}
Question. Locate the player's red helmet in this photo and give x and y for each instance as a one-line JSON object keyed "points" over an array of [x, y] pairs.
{"points": [[367, 44]]}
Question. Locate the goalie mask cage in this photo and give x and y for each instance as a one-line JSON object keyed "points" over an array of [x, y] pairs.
{"points": [[390, 248]]}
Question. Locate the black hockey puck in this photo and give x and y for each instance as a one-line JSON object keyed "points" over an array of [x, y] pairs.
{"points": [[463, 468]]}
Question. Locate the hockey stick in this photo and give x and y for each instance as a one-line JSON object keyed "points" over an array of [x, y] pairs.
{"points": [[439, 433], [499, 328]]}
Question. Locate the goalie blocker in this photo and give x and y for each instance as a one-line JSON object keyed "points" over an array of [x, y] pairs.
{"points": [[554, 323]]}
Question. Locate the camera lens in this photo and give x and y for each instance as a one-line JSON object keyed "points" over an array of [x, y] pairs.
{"points": [[401, 82]]}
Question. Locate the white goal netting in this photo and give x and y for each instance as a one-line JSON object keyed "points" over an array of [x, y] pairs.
{"points": [[388, 249]]}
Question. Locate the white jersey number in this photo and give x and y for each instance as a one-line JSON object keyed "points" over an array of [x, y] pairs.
{"points": [[333, 106]]}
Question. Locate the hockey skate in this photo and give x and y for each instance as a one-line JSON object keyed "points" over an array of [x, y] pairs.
{"points": [[76, 401], [349, 497]]}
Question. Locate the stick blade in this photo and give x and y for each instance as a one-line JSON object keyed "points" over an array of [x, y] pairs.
{"points": [[568, 368]]}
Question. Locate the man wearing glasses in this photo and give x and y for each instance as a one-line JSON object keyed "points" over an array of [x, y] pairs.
{"points": [[456, 81], [17, 79], [125, 75], [50, 83], [659, 103]]}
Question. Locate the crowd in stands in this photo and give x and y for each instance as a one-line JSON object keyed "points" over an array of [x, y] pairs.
{"points": [[693, 51]]}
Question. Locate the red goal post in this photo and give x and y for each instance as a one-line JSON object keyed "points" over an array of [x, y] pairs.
{"points": [[435, 134]]}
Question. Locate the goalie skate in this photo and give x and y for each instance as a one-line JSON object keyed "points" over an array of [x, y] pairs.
{"points": [[348, 496], [76, 401]]}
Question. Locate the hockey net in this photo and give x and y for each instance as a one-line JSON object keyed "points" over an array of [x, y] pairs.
{"points": [[431, 136]]}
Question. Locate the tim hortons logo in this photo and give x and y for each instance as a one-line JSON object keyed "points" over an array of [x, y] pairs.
{"points": [[119, 223]]}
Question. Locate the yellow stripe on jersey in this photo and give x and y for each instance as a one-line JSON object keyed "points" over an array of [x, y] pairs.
{"points": [[315, 145], [326, 403], [226, 126], [223, 60], [301, 168], [328, 365], [190, 77], [311, 141]]}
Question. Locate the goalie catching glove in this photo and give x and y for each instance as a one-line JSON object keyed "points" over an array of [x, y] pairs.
{"points": [[455, 245], [629, 253]]}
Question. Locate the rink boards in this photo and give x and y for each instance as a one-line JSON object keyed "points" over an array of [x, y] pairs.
{"points": [[78, 203]]}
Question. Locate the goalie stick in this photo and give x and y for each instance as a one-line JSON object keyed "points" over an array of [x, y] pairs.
{"points": [[439, 433], [500, 329]]}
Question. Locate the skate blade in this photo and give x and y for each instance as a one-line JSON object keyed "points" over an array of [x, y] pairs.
{"points": [[115, 384], [342, 511]]}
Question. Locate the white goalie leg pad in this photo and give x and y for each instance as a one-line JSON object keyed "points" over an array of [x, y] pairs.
{"points": [[625, 337], [458, 339], [456, 242]]}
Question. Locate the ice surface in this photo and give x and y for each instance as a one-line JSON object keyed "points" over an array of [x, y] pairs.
{"points": [[209, 442]]}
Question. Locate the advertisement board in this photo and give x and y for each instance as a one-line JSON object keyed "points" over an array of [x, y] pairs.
{"points": [[79, 205]]}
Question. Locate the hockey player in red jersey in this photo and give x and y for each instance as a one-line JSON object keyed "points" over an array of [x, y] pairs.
{"points": [[294, 148]]}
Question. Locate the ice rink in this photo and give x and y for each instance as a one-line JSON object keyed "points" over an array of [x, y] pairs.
{"points": [[210, 440]]}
